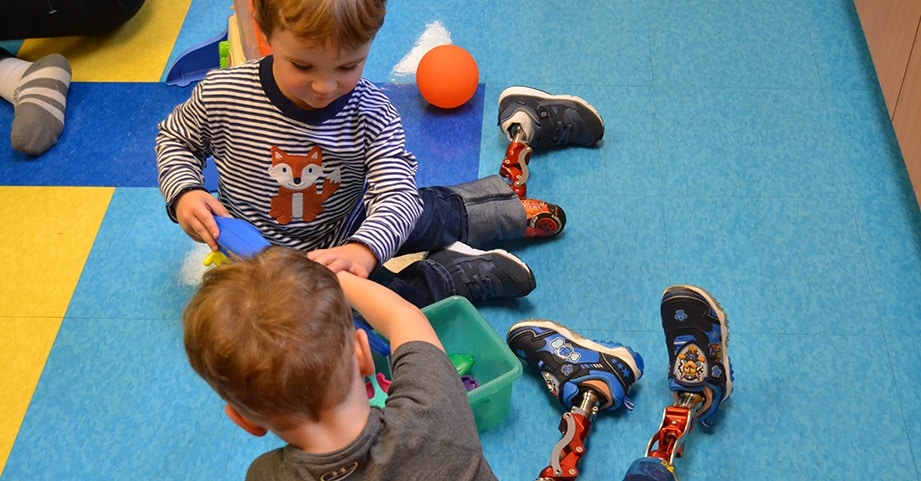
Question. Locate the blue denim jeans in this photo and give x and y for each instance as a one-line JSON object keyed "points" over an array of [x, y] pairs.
{"points": [[478, 213]]}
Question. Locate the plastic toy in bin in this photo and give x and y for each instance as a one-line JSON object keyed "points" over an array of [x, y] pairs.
{"points": [[462, 329], [377, 387], [462, 362]]}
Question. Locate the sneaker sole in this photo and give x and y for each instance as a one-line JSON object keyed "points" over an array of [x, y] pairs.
{"points": [[532, 92], [462, 248], [583, 342], [724, 327]]}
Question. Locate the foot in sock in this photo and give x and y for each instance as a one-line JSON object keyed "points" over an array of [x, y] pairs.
{"points": [[40, 98], [481, 275]]}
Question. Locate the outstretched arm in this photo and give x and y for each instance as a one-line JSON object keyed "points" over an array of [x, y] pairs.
{"points": [[388, 313], [352, 257]]}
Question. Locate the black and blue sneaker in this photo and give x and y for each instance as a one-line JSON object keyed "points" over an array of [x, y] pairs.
{"points": [[481, 275], [541, 119], [696, 334], [570, 363]]}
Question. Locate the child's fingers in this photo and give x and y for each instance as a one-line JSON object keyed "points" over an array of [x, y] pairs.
{"points": [[217, 208], [209, 232]]}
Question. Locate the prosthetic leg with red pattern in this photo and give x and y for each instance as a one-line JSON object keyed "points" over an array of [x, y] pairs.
{"points": [[514, 166], [543, 218], [667, 444], [574, 426]]}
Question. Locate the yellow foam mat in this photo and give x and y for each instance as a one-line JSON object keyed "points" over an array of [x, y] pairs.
{"points": [[46, 238], [136, 52], [24, 347]]}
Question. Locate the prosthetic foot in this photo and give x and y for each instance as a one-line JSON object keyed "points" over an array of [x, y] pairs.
{"points": [[696, 333], [584, 375], [528, 116]]}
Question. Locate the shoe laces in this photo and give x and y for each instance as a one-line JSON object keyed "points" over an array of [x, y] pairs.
{"points": [[556, 120], [479, 281]]}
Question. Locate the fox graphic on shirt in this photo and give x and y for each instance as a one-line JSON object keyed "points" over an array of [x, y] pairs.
{"points": [[298, 196]]}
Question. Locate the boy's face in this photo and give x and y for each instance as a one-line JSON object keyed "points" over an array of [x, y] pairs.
{"points": [[314, 76]]}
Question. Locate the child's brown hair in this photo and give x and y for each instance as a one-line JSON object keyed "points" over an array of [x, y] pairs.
{"points": [[346, 24], [273, 335]]}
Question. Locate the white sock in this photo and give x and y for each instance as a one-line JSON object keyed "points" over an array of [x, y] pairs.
{"points": [[11, 70]]}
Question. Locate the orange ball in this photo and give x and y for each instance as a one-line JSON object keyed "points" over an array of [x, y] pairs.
{"points": [[447, 76]]}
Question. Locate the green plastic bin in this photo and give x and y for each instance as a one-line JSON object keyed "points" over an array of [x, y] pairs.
{"points": [[462, 329]]}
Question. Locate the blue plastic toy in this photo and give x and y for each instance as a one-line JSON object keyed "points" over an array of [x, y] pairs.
{"points": [[239, 239]]}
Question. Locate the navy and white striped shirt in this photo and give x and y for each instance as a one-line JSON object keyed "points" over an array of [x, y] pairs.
{"points": [[349, 152]]}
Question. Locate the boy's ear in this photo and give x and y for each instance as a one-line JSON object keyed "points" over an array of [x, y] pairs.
{"points": [[363, 353], [244, 423]]}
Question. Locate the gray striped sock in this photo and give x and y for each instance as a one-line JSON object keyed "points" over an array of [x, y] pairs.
{"points": [[41, 98]]}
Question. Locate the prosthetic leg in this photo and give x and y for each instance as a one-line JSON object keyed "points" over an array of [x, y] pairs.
{"points": [[700, 376], [514, 166], [586, 376], [668, 443], [574, 426]]}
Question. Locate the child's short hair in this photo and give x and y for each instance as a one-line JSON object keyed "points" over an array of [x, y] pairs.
{"points": [[273, 335], [345, 24]]}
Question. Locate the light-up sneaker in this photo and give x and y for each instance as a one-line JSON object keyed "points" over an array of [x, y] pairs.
{"points": [[570, 363], [696, 334]]}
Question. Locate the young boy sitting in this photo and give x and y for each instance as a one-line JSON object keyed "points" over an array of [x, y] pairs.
{"points": [[273, 335], [314, 155]]}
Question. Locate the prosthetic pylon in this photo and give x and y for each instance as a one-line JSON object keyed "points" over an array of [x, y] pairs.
{"points": [[514, 166], [574, 427], [668, 443]]}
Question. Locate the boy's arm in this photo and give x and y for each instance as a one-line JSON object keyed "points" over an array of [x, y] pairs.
{"points": [[181, 148], [388, 313], [391, 198]]}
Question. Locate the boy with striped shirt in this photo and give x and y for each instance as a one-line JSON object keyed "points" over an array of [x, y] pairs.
{"points": [[314, 156]]}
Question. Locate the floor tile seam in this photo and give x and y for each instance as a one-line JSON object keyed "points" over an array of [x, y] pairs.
{"points": [[754, 196], [736, 87], [115, 318], [867, 267], [904, 405], [30, 316], [853, 188], [813, 51]]}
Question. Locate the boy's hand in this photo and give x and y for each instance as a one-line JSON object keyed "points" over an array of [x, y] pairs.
{"points": [[388, 313], [195, 211], [353, 258]]}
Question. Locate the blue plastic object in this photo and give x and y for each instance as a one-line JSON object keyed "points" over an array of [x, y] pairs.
{"points": [[239, 239], [377, 343], [196, 62]]}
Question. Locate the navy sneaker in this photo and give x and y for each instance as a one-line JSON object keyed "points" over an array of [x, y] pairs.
{"points": [[570, 363], [540, 119], [480, 275], [696, 334]]}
